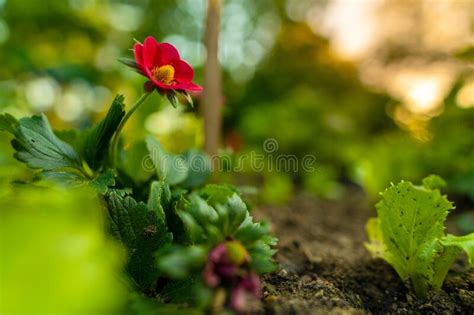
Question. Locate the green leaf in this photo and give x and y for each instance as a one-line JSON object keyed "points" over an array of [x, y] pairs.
{"points": [[199, 168], [433, 182], [179, 262], [133, 163], [217, 194], [172, 98], [188, 98], [8, 123], [141, 232], [376, 246], [69, 179], [128, 62], [408, 231], [156, 199], [259, 243], [97, 139], [37, 145], [444, 260], [64, 178], [103, 181], [466, 243], [171, 168]]}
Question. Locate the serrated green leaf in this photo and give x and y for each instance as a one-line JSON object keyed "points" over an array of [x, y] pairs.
{"points": [[103, 181], [37, 145], [465, 243], [72, 137], [217, 194], [97, 139], [171, 168], [142, 234], [259, 243], [408, 231]]}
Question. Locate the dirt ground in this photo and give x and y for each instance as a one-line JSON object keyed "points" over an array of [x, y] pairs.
{"points": [[325, 268]]}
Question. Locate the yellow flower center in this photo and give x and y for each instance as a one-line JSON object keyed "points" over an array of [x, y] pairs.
{"points": [[164, 74]]}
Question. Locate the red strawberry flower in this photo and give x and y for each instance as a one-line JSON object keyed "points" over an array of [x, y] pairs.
{"points": [[164, 68]]}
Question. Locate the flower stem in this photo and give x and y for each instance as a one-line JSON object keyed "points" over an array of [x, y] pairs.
{"points": [[116, 136]]}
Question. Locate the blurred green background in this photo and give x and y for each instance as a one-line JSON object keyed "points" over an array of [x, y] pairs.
{"points": [[377, 91]]}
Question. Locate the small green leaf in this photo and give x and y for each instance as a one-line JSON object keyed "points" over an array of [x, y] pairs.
{"points": [[97, 139], [171, 168], [466, 243], [433, 182], [376, 246], [103, 181], [156, 199], [179, 262], [172, 98], [188, 98], [128, 62]]}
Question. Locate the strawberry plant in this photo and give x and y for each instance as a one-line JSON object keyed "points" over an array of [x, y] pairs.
{"points": [[409, 234], [187, 242]]}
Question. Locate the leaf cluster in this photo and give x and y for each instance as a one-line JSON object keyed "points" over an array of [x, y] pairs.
{"points": [[166, 218], [409, 234]]}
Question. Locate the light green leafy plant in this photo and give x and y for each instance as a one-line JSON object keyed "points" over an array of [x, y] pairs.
{"points": [[409, 234]]}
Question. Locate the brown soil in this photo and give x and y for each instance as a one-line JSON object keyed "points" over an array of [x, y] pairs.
{"points": [[325, 268]]}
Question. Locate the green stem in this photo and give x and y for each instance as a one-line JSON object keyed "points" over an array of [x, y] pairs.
{"points": [[116, 136]]}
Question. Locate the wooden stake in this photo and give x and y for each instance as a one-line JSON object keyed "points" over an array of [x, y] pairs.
{"points": [[212, 95]]}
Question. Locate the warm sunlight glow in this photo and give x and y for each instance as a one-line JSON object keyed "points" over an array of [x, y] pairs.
{"points": [[421, 87], [351, 26], [423, 95], [465, 96]]}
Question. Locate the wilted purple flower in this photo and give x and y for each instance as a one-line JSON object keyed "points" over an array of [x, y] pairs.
{"points": [[219, 266], [246, 295]]}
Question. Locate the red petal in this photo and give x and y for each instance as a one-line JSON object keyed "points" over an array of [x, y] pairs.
{"points": [[184, 73], [167, 54], [150, 51], [138, 52], [187, 87]]}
